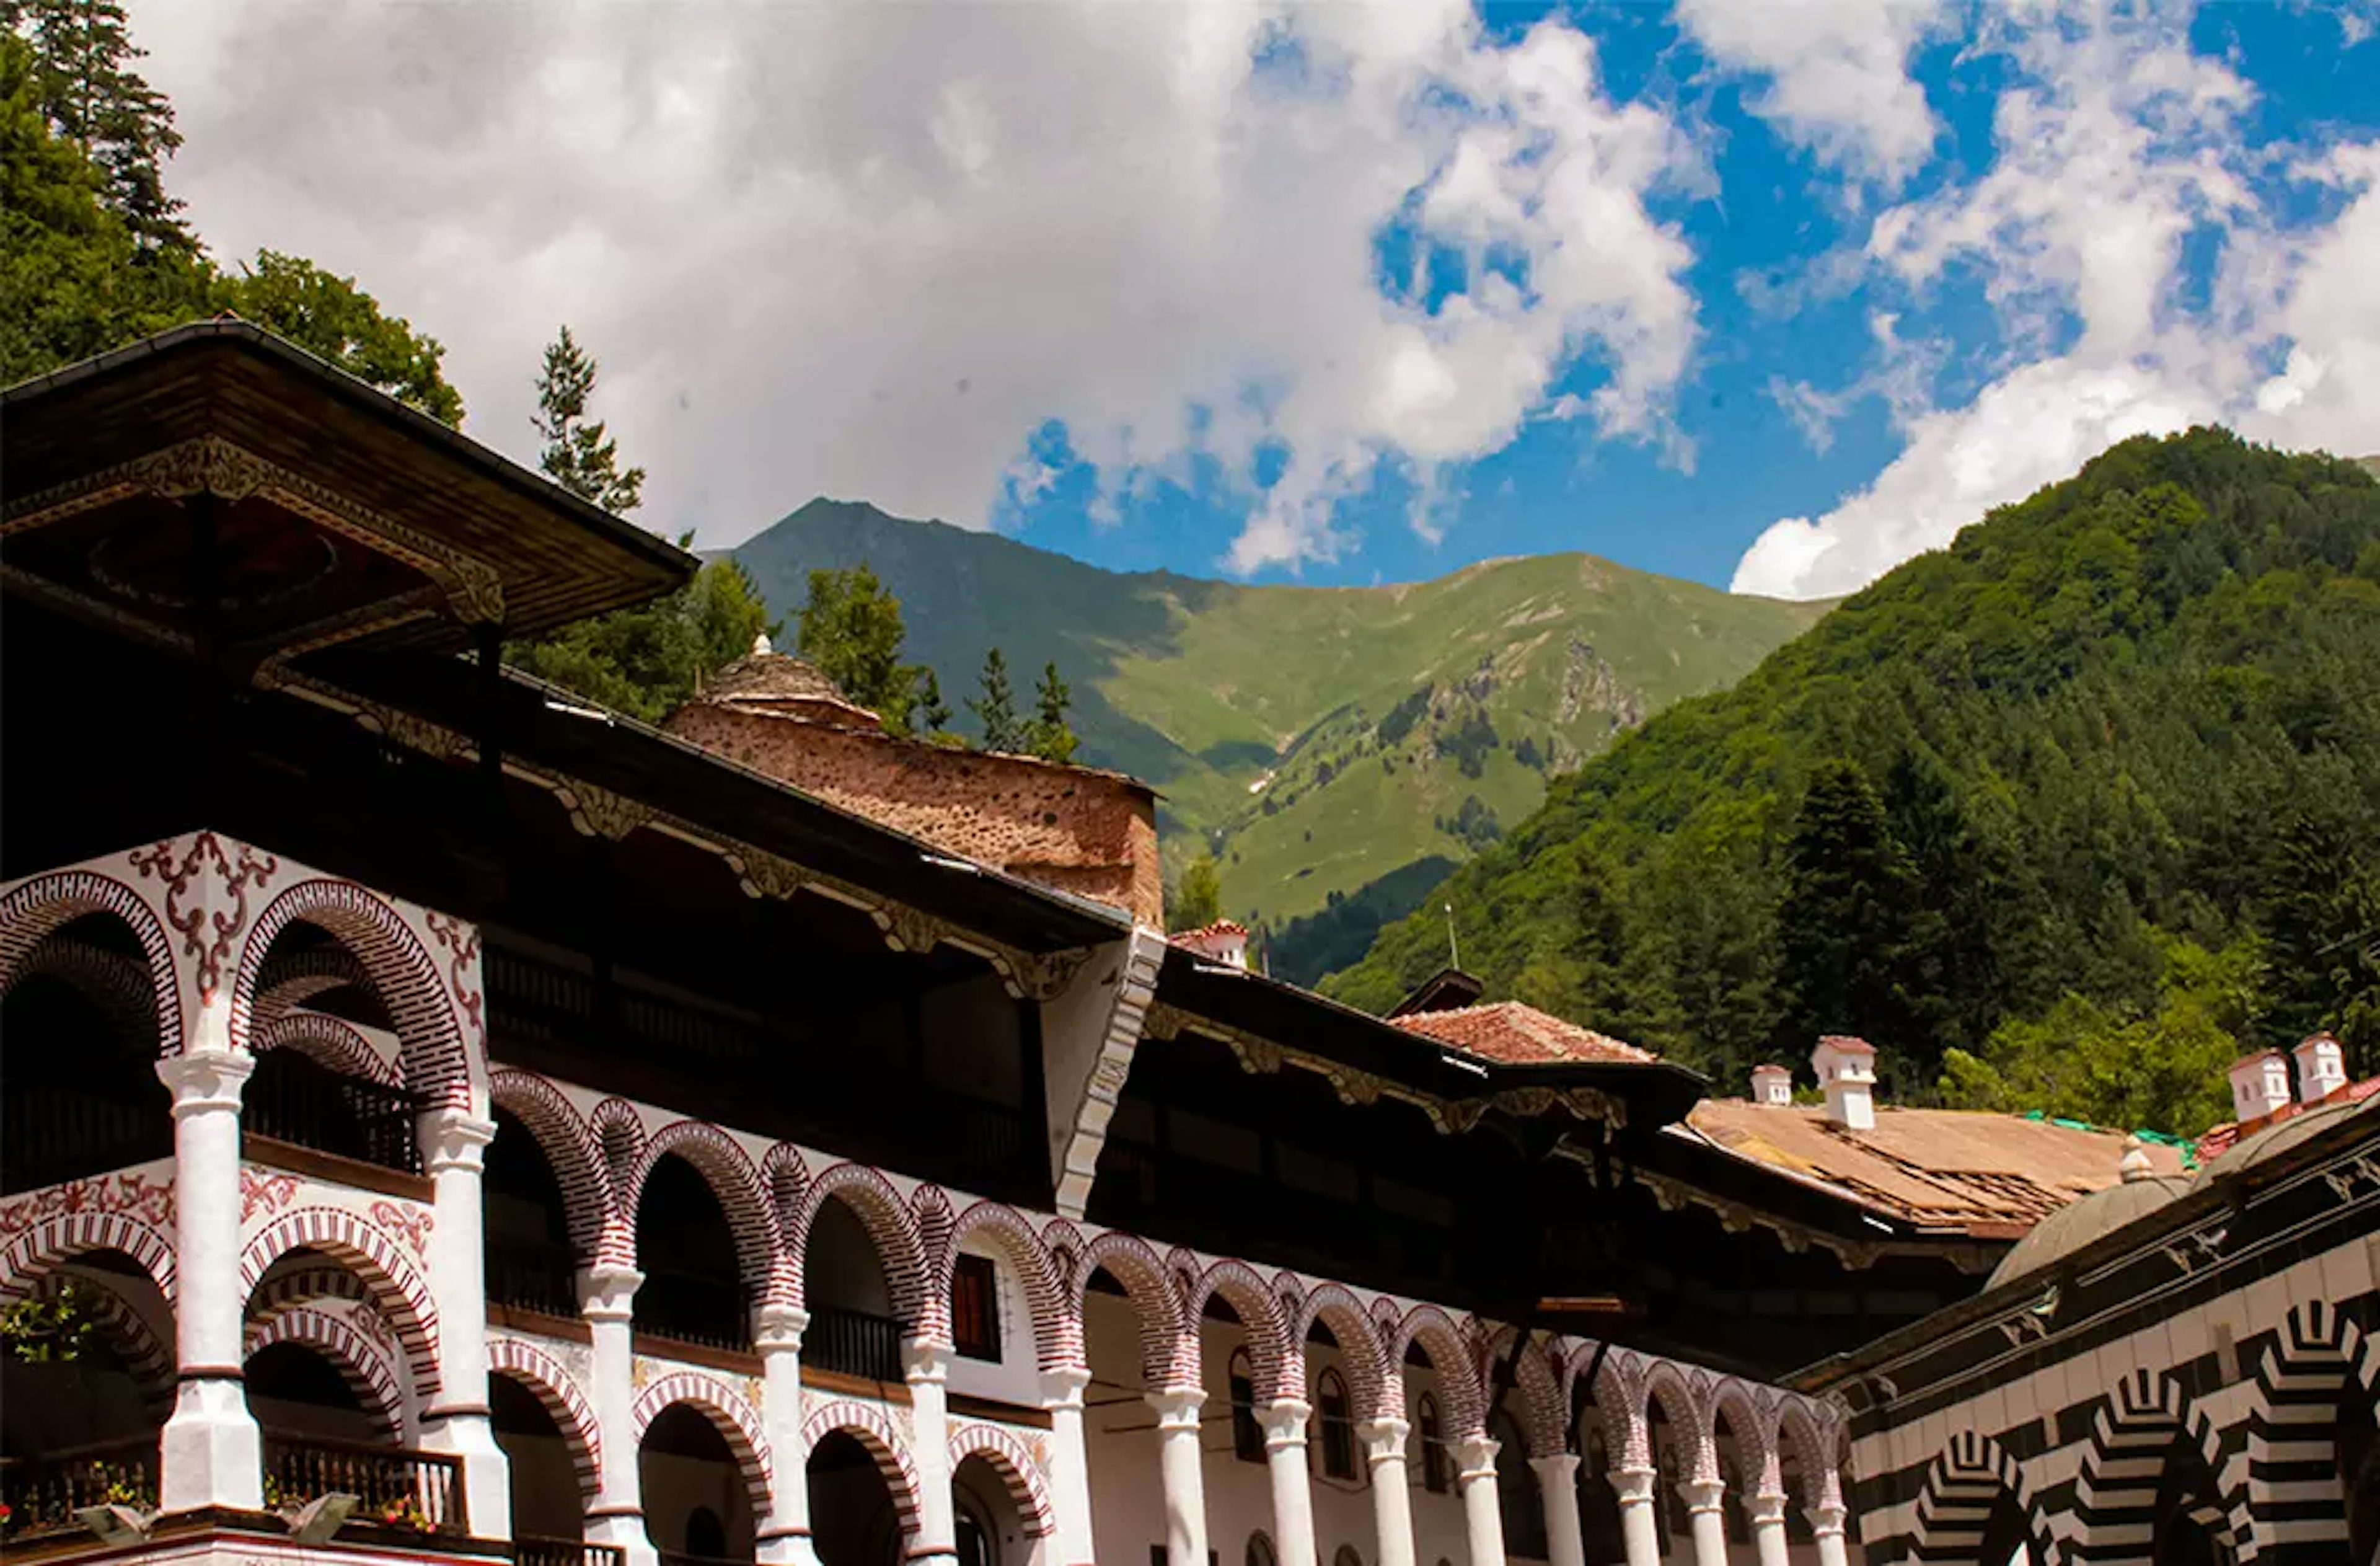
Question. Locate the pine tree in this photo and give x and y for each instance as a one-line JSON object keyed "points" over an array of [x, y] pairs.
{"points": [[89, 92], [578, 454], [851, 628], [1198, 895], [929, 713], [1842, 928], [995, 708], [1049, 737]]}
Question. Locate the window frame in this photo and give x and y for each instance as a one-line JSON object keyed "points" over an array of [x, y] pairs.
{"points": [[977, 1276]]}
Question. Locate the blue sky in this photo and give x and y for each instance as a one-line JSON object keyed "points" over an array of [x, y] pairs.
{"points": [[1772, 294]]}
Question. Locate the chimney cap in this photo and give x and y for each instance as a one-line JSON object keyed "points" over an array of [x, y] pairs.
{"points": [[1769, 1068], [2313, 1041], [2258, 1058], [1845, 1043], [2135, 1165]]}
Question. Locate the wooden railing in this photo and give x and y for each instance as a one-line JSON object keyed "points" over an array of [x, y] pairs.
{"points": [[308, 1107], [692, 1308], [529, 1276], [853, 1342], [406, 1491], [43, 1493], [529, 1549], [51, 1135]]}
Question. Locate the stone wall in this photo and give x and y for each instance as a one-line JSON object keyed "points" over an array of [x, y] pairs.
{"points": [[1089, 832]]}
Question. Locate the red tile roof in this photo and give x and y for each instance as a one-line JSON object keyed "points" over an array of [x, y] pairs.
{"points": [[1518, 1035], [2216, 1141]]}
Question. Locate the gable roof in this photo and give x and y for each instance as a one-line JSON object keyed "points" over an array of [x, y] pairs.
{"points": [[1518, 1035]]}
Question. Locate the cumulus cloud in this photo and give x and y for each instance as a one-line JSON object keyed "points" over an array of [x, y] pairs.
{"points": [[1837, 73], [873, 250], [2115, 145]]}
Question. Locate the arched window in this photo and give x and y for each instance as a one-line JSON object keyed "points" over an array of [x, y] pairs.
{"points": [[1338, 1426], [1247, 1438], [1434, 1475], [1259, 1551]]}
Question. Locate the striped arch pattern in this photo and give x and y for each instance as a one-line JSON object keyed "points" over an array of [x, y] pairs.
{"points": [[437, 1063], [1259, 1312], [367, 1373], [619, 1133], [1129, 1260], [1539, 1410], [289, 979], [331, 1042], [728, 1171], [730, 1415], [890, 1223], [873, 1430], [396, 1286], [1618, 1397], [1759, 1469], [2116, 1495], [570, 1147], [1019, 1471], [36, 909], [2293, 1485], [301, 1286], [1813, 1443], [1690, 1417], [1375, 1381], [1963, 1484], [1451, 1357], [41, 1247], [1057, 1331], [544, 1377], [120, 987]]}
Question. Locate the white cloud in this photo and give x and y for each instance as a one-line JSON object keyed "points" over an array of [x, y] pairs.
{"points": [[1838, 73], [2116, 143], [867, 251]]}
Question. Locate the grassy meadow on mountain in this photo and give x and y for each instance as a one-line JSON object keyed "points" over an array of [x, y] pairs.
{"points": [[1321, 739], [2117, 748]]}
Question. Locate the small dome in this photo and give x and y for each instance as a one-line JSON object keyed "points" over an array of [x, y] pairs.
{"points": [[2076, 1224], [767, 681]]}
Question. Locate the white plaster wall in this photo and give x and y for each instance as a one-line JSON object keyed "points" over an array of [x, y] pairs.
{"points": [[1017, 1377]]}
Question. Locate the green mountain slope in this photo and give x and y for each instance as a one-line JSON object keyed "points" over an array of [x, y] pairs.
{"points": [[1259, 712], [2139, 708]]}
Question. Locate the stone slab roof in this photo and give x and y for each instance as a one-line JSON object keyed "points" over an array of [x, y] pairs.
{"points": [[1992, 1175], [1518, 1035]]}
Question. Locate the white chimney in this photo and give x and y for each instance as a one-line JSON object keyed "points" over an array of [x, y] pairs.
{"points": [[1225, 941], [2260, 1085], [1846, 1069], [2322, 1068], [1771, 1084]]}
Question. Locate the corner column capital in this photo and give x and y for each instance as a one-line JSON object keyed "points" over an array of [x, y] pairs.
{"points": [[609, 1294], [210, 1079]]}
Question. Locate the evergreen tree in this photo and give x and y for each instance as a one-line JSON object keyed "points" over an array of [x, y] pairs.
{"points": [[1049, 737], [995, 707], [929, 712], [579, 454], [93, 98], [330, 317], [1198, 897], [1843, 926], [851, 628]]}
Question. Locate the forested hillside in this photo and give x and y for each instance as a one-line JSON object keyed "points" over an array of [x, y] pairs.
{"points": [[2062, 817], [1337, 749]]}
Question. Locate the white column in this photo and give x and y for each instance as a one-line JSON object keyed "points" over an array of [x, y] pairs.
{"points": [[1182, 1464], [1703, 1498], [1768, 1511], [1483, 1521], [1070, 1467], [1826, 1523], [211, 1452], [928, 1366], [1384, 1450], [1558, 1483], [452, 1143], [607, 1298], [783, 1536], [1292, 1485], [1640, 1526]]}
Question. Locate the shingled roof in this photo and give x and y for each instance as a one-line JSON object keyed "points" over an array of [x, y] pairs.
{"points": [[1518, 1035]]}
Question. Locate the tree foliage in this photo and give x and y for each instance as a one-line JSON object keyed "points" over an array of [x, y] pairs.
{"points": [[994, 706], [1050, 736], [2134, 709], [1197, 895], [851, 628], [330, 317], [80, 59], [579, 454]]}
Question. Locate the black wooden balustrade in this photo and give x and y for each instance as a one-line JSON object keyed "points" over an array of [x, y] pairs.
{"points": [[50, 1134], [406, 1491], [530, 1275], [853, 1342], [43, 1493], [308, 1106], [529, 1549]]}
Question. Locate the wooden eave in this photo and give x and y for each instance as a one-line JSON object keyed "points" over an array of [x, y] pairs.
{"points": [[556, 558]]}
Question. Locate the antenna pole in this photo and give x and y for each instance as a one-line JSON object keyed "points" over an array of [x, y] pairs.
{"points": [[1454, 951]]}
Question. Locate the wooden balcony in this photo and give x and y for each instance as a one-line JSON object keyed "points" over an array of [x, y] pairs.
{"points": [[401, 1493], [528, 1549], [42, 1494]]}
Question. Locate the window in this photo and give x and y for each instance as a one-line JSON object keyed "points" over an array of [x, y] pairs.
{"points": [[974, 1308], [1247, 1436], [1434, 1477], [1337, 1430]]}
